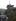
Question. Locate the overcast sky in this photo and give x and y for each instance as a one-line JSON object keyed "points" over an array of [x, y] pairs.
{"points": [[4, 3]]}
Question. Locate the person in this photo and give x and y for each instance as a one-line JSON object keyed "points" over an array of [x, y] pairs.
{"points": [[0, 18]]}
